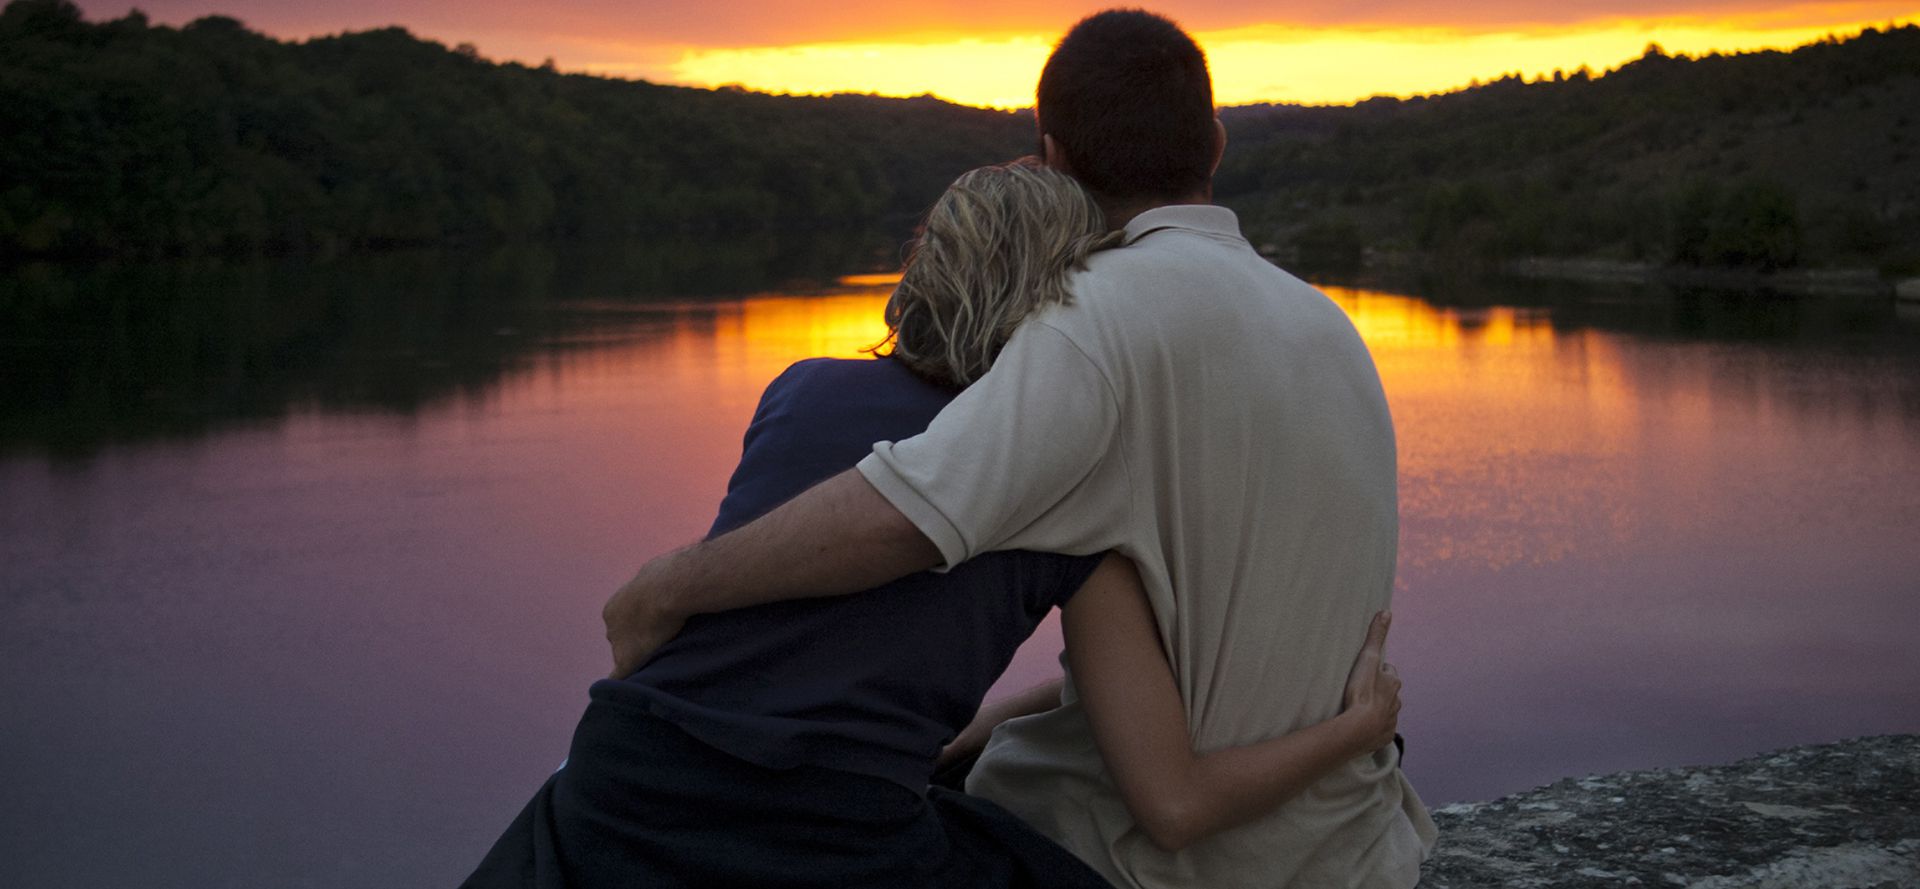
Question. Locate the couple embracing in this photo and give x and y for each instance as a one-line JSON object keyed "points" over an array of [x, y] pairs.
{"points": [[1096, 396]]}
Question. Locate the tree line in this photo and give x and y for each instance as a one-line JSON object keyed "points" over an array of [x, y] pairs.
{"points": [[122, 137], [1761, 160], [127, 138]]}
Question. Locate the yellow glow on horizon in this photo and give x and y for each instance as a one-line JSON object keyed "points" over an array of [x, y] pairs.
{"points": [[877, 279], [1309, 66], [1316, 65], [992, 73]]}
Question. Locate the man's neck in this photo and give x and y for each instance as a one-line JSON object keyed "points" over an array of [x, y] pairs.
{"points": [[1119, 213]]}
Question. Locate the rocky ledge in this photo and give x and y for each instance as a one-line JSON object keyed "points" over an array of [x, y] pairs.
{"points": [[1834, 816]]}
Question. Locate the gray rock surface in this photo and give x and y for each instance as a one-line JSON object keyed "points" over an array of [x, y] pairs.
{"points": [[1833, 816]]}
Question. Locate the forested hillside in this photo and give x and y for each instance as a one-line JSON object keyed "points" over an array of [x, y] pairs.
{"points": [[122, 137], [1761, 160]]}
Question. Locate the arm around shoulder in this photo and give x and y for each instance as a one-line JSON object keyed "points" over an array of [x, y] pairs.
{"points": [[1000, 455], [840, 536], [1007, 450]]}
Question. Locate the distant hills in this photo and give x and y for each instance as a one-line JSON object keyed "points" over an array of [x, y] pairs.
{"points": [[124, 138], [1760, 160], [121, 137]]}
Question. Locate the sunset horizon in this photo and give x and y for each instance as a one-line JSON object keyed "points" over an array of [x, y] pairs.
{"points": [[1321, 55], [406, 403]]}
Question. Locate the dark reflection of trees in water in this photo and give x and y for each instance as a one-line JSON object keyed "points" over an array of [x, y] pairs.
{"points": [[103, 353], [96, 354]]}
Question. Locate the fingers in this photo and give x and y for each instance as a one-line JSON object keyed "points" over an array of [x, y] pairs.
{"points": [[616, 641], [622, 664], [1391, 678], [1364, 680], [630, 650], [1376, 643], [1372, 651]]}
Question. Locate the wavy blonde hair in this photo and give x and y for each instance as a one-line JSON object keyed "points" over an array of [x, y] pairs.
{"points": [[996, 247]]}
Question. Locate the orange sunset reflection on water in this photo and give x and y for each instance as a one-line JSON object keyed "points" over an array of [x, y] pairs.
{"points": [[1593, 491], [1482, 399], [1638, 529], [1490, 404], [1515, 439]]}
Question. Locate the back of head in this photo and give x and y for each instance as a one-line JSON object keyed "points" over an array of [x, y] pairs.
{"points": [[1126, 96], [996, 247]]}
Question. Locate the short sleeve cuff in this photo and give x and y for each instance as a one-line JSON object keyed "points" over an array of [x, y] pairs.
{"points": [[880, 472]]}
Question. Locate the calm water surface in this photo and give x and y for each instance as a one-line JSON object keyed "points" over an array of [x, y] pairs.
{"points": [[301, 564]]}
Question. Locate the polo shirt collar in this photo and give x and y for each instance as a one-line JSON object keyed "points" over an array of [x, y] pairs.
{"points": [[1207, 219]]}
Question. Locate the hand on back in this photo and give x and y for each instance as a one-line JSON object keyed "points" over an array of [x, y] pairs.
{"points": [[1372, 699]]}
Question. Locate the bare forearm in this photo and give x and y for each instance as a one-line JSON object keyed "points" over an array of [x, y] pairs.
{"points": [[1226, 788], [1236, 785], [838, 537], [1038, 699], [1134, 707]]}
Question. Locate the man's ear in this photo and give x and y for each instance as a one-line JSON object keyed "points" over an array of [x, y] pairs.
{"points": [[1053, 155], [1219, 145]]}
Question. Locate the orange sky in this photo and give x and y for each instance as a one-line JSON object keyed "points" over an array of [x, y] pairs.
{"points": [[988, 52]]}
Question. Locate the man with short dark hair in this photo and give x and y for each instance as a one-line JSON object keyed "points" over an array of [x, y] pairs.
{"points": [[1195, 409], [1126, 103]]}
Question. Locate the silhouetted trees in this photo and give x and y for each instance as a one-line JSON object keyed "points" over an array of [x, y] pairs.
{"points": [[1760, 160], [121, 137]]}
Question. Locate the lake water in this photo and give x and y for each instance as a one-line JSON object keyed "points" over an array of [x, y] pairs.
{"points": [[301, 563]]}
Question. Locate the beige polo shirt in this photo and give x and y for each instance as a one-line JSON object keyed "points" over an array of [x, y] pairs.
{"points": [[1220, 422]]}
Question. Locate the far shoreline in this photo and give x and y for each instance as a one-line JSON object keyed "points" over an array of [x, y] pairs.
{"points": [[1858, 282], [1839, 282]]}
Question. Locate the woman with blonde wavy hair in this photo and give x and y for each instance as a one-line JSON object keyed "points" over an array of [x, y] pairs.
{"points": [[995, 248], [793, 744]]}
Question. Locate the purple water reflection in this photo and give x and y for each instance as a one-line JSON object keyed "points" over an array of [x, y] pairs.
{"points": [[341, 648]]}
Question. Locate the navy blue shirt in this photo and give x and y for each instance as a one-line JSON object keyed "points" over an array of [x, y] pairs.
{"points": [[873, 683]]}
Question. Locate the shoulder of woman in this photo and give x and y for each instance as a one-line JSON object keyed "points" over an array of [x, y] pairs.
{"points": [[837, 376], [825, 370], [797, 378]]}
